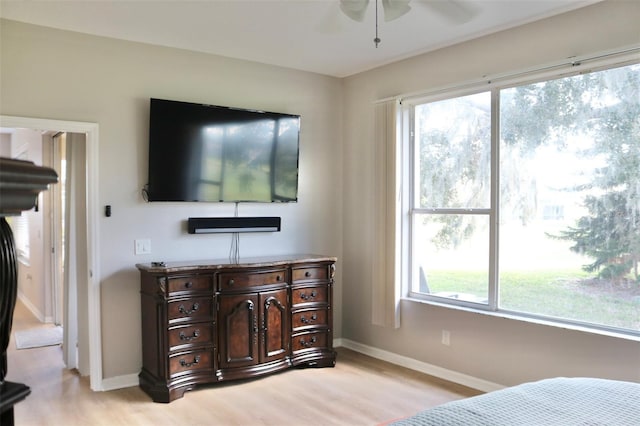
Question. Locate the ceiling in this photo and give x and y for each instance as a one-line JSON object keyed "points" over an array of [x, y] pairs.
{"points": [[309, 35]]}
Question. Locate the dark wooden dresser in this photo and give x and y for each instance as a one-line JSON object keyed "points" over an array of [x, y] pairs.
{"points": [[205, 322]]}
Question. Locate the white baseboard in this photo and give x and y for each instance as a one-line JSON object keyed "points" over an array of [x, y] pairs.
{"points": [[423, 367], [131, 380], [119, 382]]}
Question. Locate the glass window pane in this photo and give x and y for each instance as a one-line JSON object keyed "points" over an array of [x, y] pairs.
{"points": [[451, 256], [570, 198], [453, 152]]}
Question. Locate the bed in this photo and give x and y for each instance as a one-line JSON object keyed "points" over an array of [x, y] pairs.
{"points": [[559, 401]]}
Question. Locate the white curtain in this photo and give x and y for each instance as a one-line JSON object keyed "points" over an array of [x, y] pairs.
{"points": [[387, 207]]}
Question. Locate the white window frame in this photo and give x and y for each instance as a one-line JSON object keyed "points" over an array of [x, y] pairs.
{"points": [[406, 147], [410, 210]]}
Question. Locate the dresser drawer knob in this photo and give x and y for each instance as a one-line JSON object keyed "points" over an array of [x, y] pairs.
{"points": [[278, 278], [231, 282], [184, 363], [188, 284], [194, 308], [308, 343], [184, 337], [307, 274], [305, 296], [304, 320]]}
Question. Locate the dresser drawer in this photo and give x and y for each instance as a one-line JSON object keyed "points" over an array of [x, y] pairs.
{"points": [[309, 318], [194, 283], [304, 341], [310, 273], [239, 280], [196, 334], [191, 361], [192, 308], [315, 294]]}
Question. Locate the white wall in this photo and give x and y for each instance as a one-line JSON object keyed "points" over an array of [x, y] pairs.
{"points": [[498, 350], [5, 145], [110, 82]]}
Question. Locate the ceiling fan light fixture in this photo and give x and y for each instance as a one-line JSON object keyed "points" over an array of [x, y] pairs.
{"points": [[354, 9], [393, 9]]}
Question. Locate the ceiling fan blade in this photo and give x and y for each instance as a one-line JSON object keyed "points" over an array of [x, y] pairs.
{"points": [[393, 9], [354, 9], [457, 12]]}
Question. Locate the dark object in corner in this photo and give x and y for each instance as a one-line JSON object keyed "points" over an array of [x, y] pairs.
{"points": [[10, 394], [20, 184]]}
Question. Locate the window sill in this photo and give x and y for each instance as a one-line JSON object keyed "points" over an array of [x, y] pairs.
{"points": [[631, 335]]}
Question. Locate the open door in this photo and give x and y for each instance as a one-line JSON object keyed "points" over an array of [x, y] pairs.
{"points": [[69, 224]]}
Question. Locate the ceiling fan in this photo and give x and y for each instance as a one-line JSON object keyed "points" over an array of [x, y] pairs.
{"points": [[453, 10], [393, 9]]}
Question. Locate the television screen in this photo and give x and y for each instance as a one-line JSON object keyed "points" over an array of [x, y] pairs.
{"points": [[221, 154]]}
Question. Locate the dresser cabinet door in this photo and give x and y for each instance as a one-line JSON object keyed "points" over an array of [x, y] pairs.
{"points": [[275, 325], [254, 328], [238, 321]]}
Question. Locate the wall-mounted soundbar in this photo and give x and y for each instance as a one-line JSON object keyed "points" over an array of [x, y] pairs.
{"points": [[214, 225]]}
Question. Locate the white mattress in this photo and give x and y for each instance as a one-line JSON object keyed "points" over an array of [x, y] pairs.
{"points": [[559, 401]]}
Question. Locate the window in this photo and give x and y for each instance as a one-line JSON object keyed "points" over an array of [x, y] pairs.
{"points": [[20, 227], [526, 199]]}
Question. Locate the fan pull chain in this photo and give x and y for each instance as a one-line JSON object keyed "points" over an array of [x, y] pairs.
{"points": [[377, 39]]}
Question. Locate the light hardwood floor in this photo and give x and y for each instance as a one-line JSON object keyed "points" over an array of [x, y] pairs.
{"points": [[359, 391]]}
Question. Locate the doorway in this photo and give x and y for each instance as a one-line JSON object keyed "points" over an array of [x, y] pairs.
{"points": [[89, 351]]}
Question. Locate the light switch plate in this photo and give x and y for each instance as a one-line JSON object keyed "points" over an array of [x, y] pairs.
{"points": [[142, 246]]}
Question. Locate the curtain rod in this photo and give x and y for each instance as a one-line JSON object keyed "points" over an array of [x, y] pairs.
{"points": [[575, 63]]}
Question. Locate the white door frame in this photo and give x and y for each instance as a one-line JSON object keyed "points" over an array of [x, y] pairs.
{"points": [[56, 249], [93, 280]]}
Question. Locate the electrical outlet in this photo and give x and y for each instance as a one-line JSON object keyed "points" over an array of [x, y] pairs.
{"points": [[446, 337], [143, 246]]}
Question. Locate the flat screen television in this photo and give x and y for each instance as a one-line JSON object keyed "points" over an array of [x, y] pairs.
{"points": [[221, 154]]}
